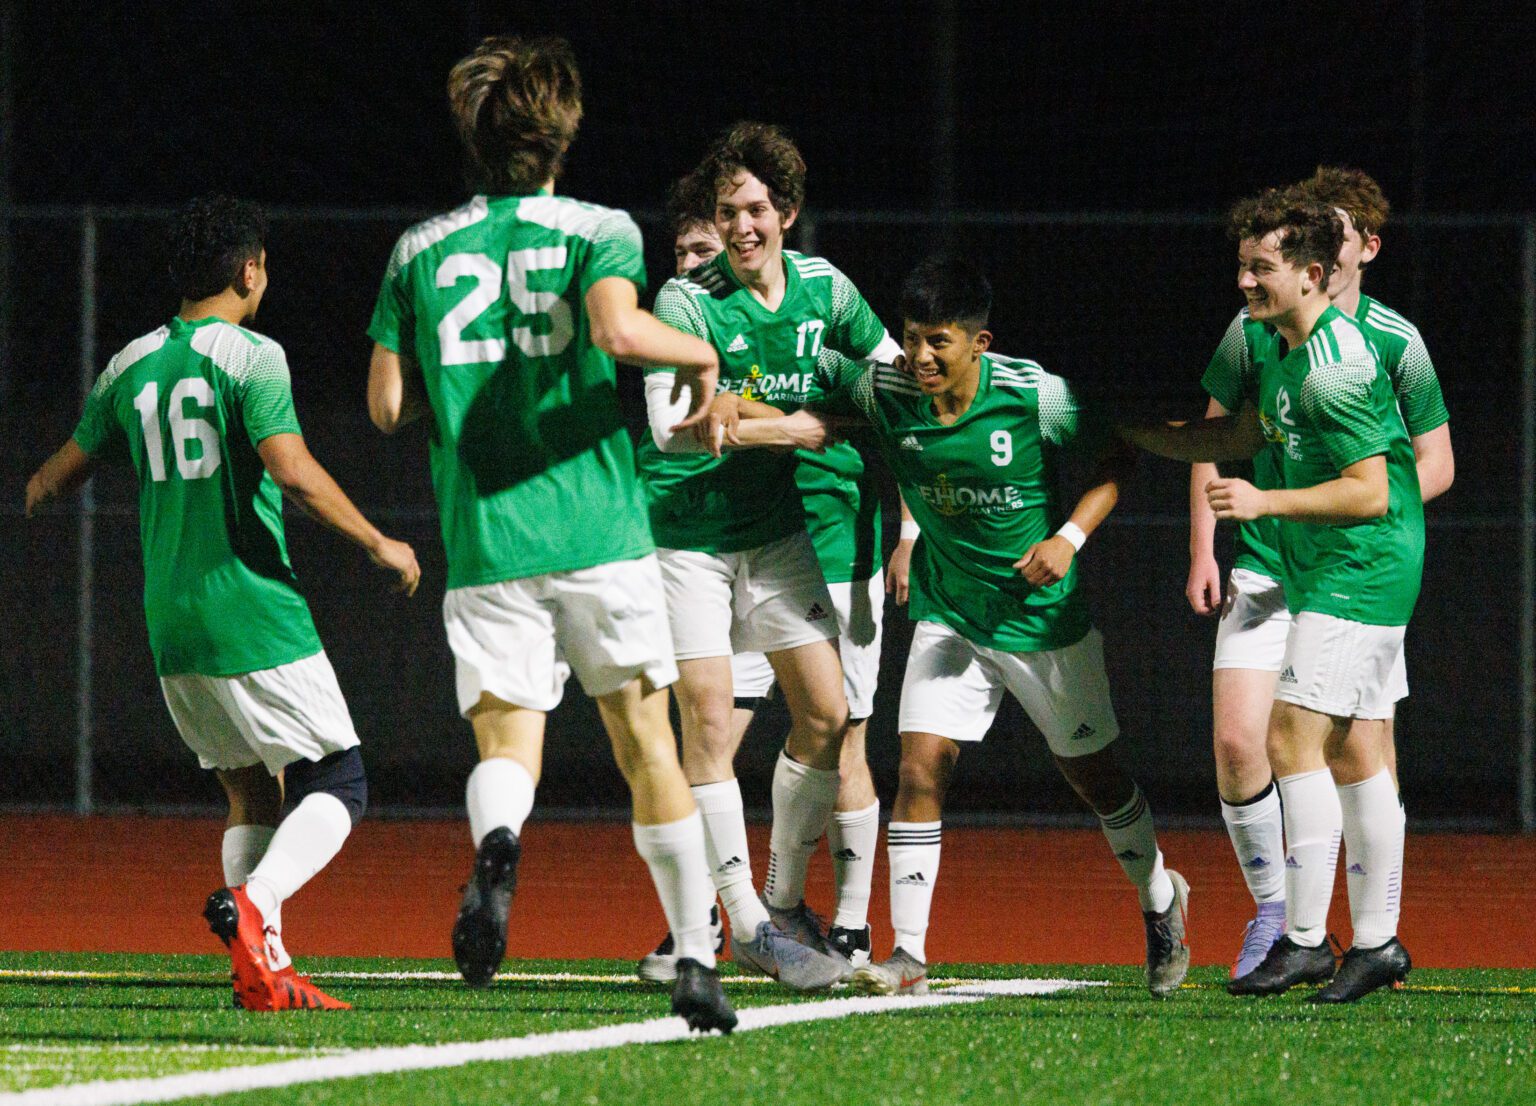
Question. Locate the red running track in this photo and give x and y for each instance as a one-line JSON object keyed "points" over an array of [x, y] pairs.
{"points": [[1037, 896]]}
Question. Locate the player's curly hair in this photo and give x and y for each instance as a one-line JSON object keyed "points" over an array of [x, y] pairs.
{"points": [[947, 290], [1309, 231], [211, 239], [1351, 191], [517, 104], [764, 150], [689, 201]]}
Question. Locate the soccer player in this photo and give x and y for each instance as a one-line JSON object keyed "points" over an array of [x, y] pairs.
{"points": [[1350, 536], [842, 514], [202, 409], [973, 439], [741, 570], [1250, 640], [500, 322]]}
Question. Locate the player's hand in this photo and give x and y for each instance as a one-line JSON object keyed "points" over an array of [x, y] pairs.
{"points": [[806, 430], [898, 570], [1203, 588], [720, 424], [703, 383], [400, 559], [1235, 499], [1046, 561], [37, 493]]}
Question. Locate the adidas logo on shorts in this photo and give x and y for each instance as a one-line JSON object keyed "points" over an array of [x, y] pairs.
{"points": [[911, 442], [1083, 732], [816, 613], [738, 345], [1288, 676]]}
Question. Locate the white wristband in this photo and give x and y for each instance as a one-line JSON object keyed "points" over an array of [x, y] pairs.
{"points": [[910, 529], [1073, 533]]}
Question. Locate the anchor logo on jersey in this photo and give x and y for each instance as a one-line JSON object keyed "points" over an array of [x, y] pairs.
{"points": [[753, 376]]}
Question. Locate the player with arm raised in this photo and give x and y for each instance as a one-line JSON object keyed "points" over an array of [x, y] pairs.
{"points": [[1350, 538], [500, 321], [973, 440], [1250, 642], [203, 410], [742, 572]]}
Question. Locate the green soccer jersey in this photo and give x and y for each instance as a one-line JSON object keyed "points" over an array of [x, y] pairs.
{"points": [[531, 462], [1325, 406], [189, 403], [841, 503], [984, 489], [752, 497]]}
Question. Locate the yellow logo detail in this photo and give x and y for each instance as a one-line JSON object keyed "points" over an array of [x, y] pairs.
{"points": [[944, 501], [754, 374]]}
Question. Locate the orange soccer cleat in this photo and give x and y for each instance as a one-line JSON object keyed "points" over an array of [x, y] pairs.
{"points": [[234, 919]]}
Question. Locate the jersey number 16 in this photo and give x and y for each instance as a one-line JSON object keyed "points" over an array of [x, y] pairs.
{"points": [[186, 428]]}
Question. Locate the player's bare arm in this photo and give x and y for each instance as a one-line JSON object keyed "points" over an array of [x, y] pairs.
{"points": [[1048, 561], [1229, 438], [898, 570], [626, 332], [60, 475], [303, 480], [1360, 492], [1203, 587], [1435, 461], [396, 396], [725, 414]]}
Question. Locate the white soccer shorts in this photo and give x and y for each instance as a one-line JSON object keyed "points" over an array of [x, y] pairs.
{"points": [[1341, 668], [519, 640], [756, 601], [273, 716], [953, 688], [860, 622], [1254, 623]]}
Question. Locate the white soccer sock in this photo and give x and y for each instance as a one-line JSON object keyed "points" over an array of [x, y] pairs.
{"points": [[307, 840], [1133, 839], [913, 848], [1313, 825], [674, 852], [725, 848], [853, 836], [803, 798], [1257, 830], [499, 793], [244, 846], [1373, 840]]}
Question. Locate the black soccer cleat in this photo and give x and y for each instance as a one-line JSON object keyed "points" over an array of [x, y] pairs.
{"points": [[1366, 970], [480, 933], [1285, 965], [698, 998]]}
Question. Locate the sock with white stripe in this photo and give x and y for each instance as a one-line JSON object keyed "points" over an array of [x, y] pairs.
{"points": [[803, 798], [1313, 825], [674, 852], [852, 837], [913, 848], [1373, 841], [725, 848], [1257, 831], [307, 840], [499, 793], [1133, 839]]}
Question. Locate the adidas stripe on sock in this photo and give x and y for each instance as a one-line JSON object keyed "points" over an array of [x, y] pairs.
{"points": [[725, 848], [913, 848], [1373, 842], [674, 852], [1313, 826], [499, 793], [1133, 839], [1257, 831], [803, 798], [852, 837]]}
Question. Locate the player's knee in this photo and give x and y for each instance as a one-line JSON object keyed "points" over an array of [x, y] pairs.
{"points": [[923, 779], [339, 775]]}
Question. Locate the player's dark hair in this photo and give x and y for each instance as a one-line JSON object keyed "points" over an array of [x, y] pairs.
{"points": [[1309, 231], [764, 150], [1352, 192], [211, 240], [516, 103], [689, 201], [947, 290]]}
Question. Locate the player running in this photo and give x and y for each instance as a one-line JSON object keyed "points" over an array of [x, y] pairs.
{"points": [[973, 439], [203, 409], [1350, 537], [1250, 639], [842, 514], [741, 570], [500, 321]]}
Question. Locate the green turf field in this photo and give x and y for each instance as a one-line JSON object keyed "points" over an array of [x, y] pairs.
{"points": [[65, 1021]]}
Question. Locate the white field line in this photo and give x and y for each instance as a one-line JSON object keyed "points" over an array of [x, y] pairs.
{"points": [[380, 1061], [169, 1046]]}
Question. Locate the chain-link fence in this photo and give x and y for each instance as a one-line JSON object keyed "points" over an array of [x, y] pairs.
{"points": [[1128, 306]]}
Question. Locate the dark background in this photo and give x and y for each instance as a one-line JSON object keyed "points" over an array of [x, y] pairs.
{"points": [[1082, 152]]}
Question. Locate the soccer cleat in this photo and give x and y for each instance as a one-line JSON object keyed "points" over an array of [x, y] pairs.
{"points": [[1167, 943], [661, 966], [480, 933], [851, 945], [778, 956], [1365, 970], [698, 998], [1285, 965], [234, 919], [902, 974], [801, 923], [1266, 928]]}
